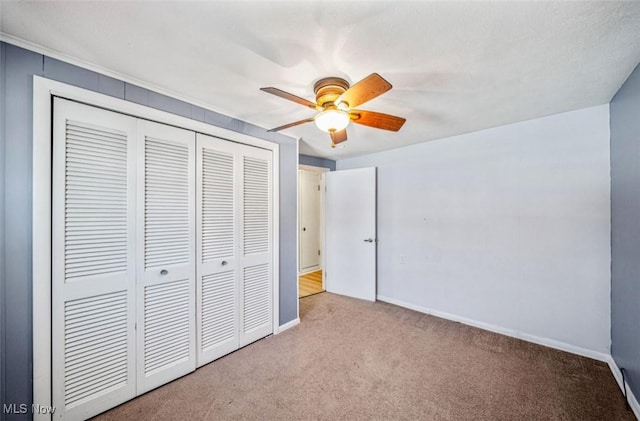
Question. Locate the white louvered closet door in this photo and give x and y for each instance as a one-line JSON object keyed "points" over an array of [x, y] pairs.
{"points": [[256, 309], [93, 273], [166, 254], [217, 186]]}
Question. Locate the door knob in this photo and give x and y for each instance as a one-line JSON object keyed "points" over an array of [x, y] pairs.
{"points": [[369, 240], [304, 229], [224, 263], [164, 272]]}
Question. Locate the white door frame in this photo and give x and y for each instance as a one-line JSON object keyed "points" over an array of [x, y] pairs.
{"points": [[43, 92], [321, 171]]}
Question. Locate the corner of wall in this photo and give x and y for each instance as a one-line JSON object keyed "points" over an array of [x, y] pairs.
{"points": [[631, 398], [624, 126], [2, 240]]}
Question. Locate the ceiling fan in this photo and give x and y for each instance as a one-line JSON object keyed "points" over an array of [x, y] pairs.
{"points": [[336, 102]]}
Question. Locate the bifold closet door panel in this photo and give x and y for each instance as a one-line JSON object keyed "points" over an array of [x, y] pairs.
{"points": [[234, 274], [217, 184], [165, 254], [256, 208], [93, 267]]}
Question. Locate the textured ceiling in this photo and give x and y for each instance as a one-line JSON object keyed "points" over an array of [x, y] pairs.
{"points": [[455, 66]]}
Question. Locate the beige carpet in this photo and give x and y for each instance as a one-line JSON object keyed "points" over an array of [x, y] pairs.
{"points": [[354, 360]]}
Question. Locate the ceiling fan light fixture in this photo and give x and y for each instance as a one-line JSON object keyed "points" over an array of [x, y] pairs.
{"points": [[331, 120]]}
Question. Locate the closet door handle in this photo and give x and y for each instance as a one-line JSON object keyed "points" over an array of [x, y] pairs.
{"points": [[224, 263], [164, 272]]}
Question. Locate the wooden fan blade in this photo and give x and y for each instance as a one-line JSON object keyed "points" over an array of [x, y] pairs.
{"points": [[290, 97], [286, 126], [365, 90], [377, 120], [338, 136]]}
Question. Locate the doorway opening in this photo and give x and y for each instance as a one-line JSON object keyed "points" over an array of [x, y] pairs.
{"points": [[310, 230]]}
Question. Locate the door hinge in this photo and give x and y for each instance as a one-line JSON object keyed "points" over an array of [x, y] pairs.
{"points": [[318, 252], [318, 187]]}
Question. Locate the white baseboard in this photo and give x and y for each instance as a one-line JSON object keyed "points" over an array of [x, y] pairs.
{"points": [[310, 270], [551, 343], [288, 325], [631, 398]]}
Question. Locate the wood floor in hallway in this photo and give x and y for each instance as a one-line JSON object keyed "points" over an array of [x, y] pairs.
{"points": [[310, 283]]}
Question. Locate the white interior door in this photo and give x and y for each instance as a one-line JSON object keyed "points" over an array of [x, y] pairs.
{"points": [[93, 243], [309, 220], [166, 254], [350, 233], [218, 163]]}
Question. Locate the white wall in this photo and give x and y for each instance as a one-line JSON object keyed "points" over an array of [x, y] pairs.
{"points": [[507, 228]]}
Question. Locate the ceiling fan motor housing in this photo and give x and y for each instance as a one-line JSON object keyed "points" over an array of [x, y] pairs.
{"points": [[329, 89]]}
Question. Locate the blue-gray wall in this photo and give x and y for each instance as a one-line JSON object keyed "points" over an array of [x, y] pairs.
{"points": [[625, 229], [17, 68], [2, 91], [318, 162]]}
